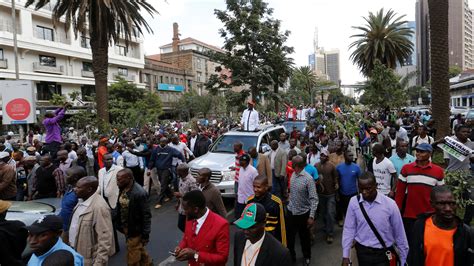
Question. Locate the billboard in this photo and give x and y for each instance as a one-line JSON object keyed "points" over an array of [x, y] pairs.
{"points": [[18, 104], [169, 87]]}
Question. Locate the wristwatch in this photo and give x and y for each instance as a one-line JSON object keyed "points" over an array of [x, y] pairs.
{"points": [[196, 256]]}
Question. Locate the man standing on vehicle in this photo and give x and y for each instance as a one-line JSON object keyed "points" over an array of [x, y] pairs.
{"points": [[53, 137], [250, 119]]}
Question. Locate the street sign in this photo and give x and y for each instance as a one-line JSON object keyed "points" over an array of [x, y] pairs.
{"points": [[18, 104]]}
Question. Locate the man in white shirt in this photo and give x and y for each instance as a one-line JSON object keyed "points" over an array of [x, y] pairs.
{"points": [[247, 174], [401, 132], [192, 140], [91, 213], [133, 162], [422, 137], [384, 172], [250, 117], [108, 188]]}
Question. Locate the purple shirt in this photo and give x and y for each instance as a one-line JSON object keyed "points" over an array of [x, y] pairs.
{"points": [[385, 215], [246, 177], [53, 130]]}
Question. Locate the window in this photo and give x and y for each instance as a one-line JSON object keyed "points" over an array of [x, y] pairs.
{"points": [[198, 63], [146, 78], [167, 80], [199, 76], [2, 56], [45, 90], [85, 42], [123, 71], [122, 50], [161, 79], [190, 84], [45, 60], [181, 82], [87, 91], [44, 33], [87, 66]]}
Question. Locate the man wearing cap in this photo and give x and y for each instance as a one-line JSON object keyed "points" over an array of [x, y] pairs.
{"points": [[91, 231], [206, 237], [253, 245], [275, 223], [44, 239], [250, 119], [8, 187], [414, 186], [53, 137], [245, 189], [13, 236]]}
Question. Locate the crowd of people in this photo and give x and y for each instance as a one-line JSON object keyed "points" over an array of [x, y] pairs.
{"points": [[378, 183]]}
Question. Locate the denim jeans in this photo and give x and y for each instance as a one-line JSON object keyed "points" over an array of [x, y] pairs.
{"points": [[279, 186], [327, 205]]}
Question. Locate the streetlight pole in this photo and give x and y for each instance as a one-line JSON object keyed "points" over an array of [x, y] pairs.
{"points": [[15, 41]]}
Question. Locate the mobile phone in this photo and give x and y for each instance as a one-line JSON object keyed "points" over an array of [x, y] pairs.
{"points": [[172, 253]]}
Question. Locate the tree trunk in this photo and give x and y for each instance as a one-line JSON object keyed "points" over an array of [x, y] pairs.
{"points": [[100, 64], [276, 99], [438, 15]]}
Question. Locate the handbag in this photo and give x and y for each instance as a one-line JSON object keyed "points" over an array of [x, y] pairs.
{"points": [[391, 254]]}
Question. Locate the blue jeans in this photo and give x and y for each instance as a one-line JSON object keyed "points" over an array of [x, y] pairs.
{"points": [[327, 205]]}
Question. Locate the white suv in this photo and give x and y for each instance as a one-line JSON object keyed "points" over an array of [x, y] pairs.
{"points": [[221, 154]]}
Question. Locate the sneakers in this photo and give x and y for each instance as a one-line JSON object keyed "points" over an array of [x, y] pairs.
{"points": [[329, 239], [157, 206], [307, 262], [166, 199]]}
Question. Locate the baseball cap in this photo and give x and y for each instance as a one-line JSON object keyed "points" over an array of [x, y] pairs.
{"points": [[4, 206], [46, 223], [4, 154], [424, 147], [253, 213], [244, 157]]}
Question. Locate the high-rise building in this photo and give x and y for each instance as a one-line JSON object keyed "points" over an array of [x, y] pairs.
{"points": [[460, 42], [333, 65], [53, 59], [409, 65]]}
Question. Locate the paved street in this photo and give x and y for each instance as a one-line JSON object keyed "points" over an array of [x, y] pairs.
{"points": [[165, 236]]}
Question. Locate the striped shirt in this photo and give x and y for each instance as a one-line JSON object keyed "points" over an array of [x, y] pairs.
{"points": [[303, 196], [237, 164], [414, 187]]}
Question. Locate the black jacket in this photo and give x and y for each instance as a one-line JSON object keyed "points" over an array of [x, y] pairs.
{"points": [[201, 146], [13, 236], [272, 252], [139, 215], [462, 241]]}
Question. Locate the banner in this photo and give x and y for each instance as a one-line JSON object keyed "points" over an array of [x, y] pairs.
{"points": [[456, 149], [18, 102]]}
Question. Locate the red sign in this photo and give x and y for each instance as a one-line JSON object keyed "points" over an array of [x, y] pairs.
{"points": [[18, 109]]}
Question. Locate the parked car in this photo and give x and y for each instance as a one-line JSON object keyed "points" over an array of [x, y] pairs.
{"points": [[30, 211], [221, 154]]}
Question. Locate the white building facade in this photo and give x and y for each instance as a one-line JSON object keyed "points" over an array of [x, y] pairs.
{"points": [[55, 60]]}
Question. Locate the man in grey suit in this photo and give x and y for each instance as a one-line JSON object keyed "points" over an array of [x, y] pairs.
{"points": [[278, 160]]}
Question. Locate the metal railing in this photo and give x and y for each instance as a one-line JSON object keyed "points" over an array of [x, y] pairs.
{"points": [[4, 63], [87, 74], [127, 78]]}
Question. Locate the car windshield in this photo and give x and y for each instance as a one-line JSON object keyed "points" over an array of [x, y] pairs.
{"points": [[31, 207], [289, 126], [470, 114], [226, 143]]}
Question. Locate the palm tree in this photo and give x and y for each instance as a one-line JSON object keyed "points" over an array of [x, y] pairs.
{"points": [[306, 76], [385, 37], [439, 53], [106, 21]]}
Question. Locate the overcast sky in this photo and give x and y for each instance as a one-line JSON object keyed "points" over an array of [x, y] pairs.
{"points": [[333, 18]]}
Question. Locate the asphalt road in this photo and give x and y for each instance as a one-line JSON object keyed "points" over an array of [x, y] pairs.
{"points": [[165, 236]]}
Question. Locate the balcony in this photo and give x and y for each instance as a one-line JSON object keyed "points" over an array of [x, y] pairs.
{"points": [[58, 37], [3, 64], [59, 70], [130, 78], [87, 74]]}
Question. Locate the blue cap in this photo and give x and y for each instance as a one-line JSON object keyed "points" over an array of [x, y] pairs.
{"points": [[424, 147]]}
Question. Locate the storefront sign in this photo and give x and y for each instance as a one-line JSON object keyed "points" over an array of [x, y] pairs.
{"points": [[18, 104], [169, 87]]}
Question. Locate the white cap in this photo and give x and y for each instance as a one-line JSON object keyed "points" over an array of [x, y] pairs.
{"points": [[71, 128], [10, 133], [4, 154]]}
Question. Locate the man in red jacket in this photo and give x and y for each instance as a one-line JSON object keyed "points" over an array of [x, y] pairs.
{"points": [[206, 238]]}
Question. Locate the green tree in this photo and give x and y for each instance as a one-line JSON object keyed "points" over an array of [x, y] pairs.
{"points": [[439, 56], [384, 89], [105, 21], [454, 71], [131, 106], [255, 50], [385, 37]]}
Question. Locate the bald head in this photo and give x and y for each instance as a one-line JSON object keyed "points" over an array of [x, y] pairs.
{"points": [[75, 173], [86, 187]]}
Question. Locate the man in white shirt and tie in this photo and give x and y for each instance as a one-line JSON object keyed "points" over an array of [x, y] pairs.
{"points": [[250, 117]]}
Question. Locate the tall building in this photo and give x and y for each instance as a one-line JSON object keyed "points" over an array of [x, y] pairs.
{"points": [[409, 66], [333, 65], [56, 61], [460, 42]]}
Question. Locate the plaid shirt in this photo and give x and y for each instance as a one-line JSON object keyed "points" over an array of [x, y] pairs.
{"points": [[60, 179], [303, 196]]}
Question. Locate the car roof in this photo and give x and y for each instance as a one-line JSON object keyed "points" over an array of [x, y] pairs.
{"points": [[261, 130]]}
